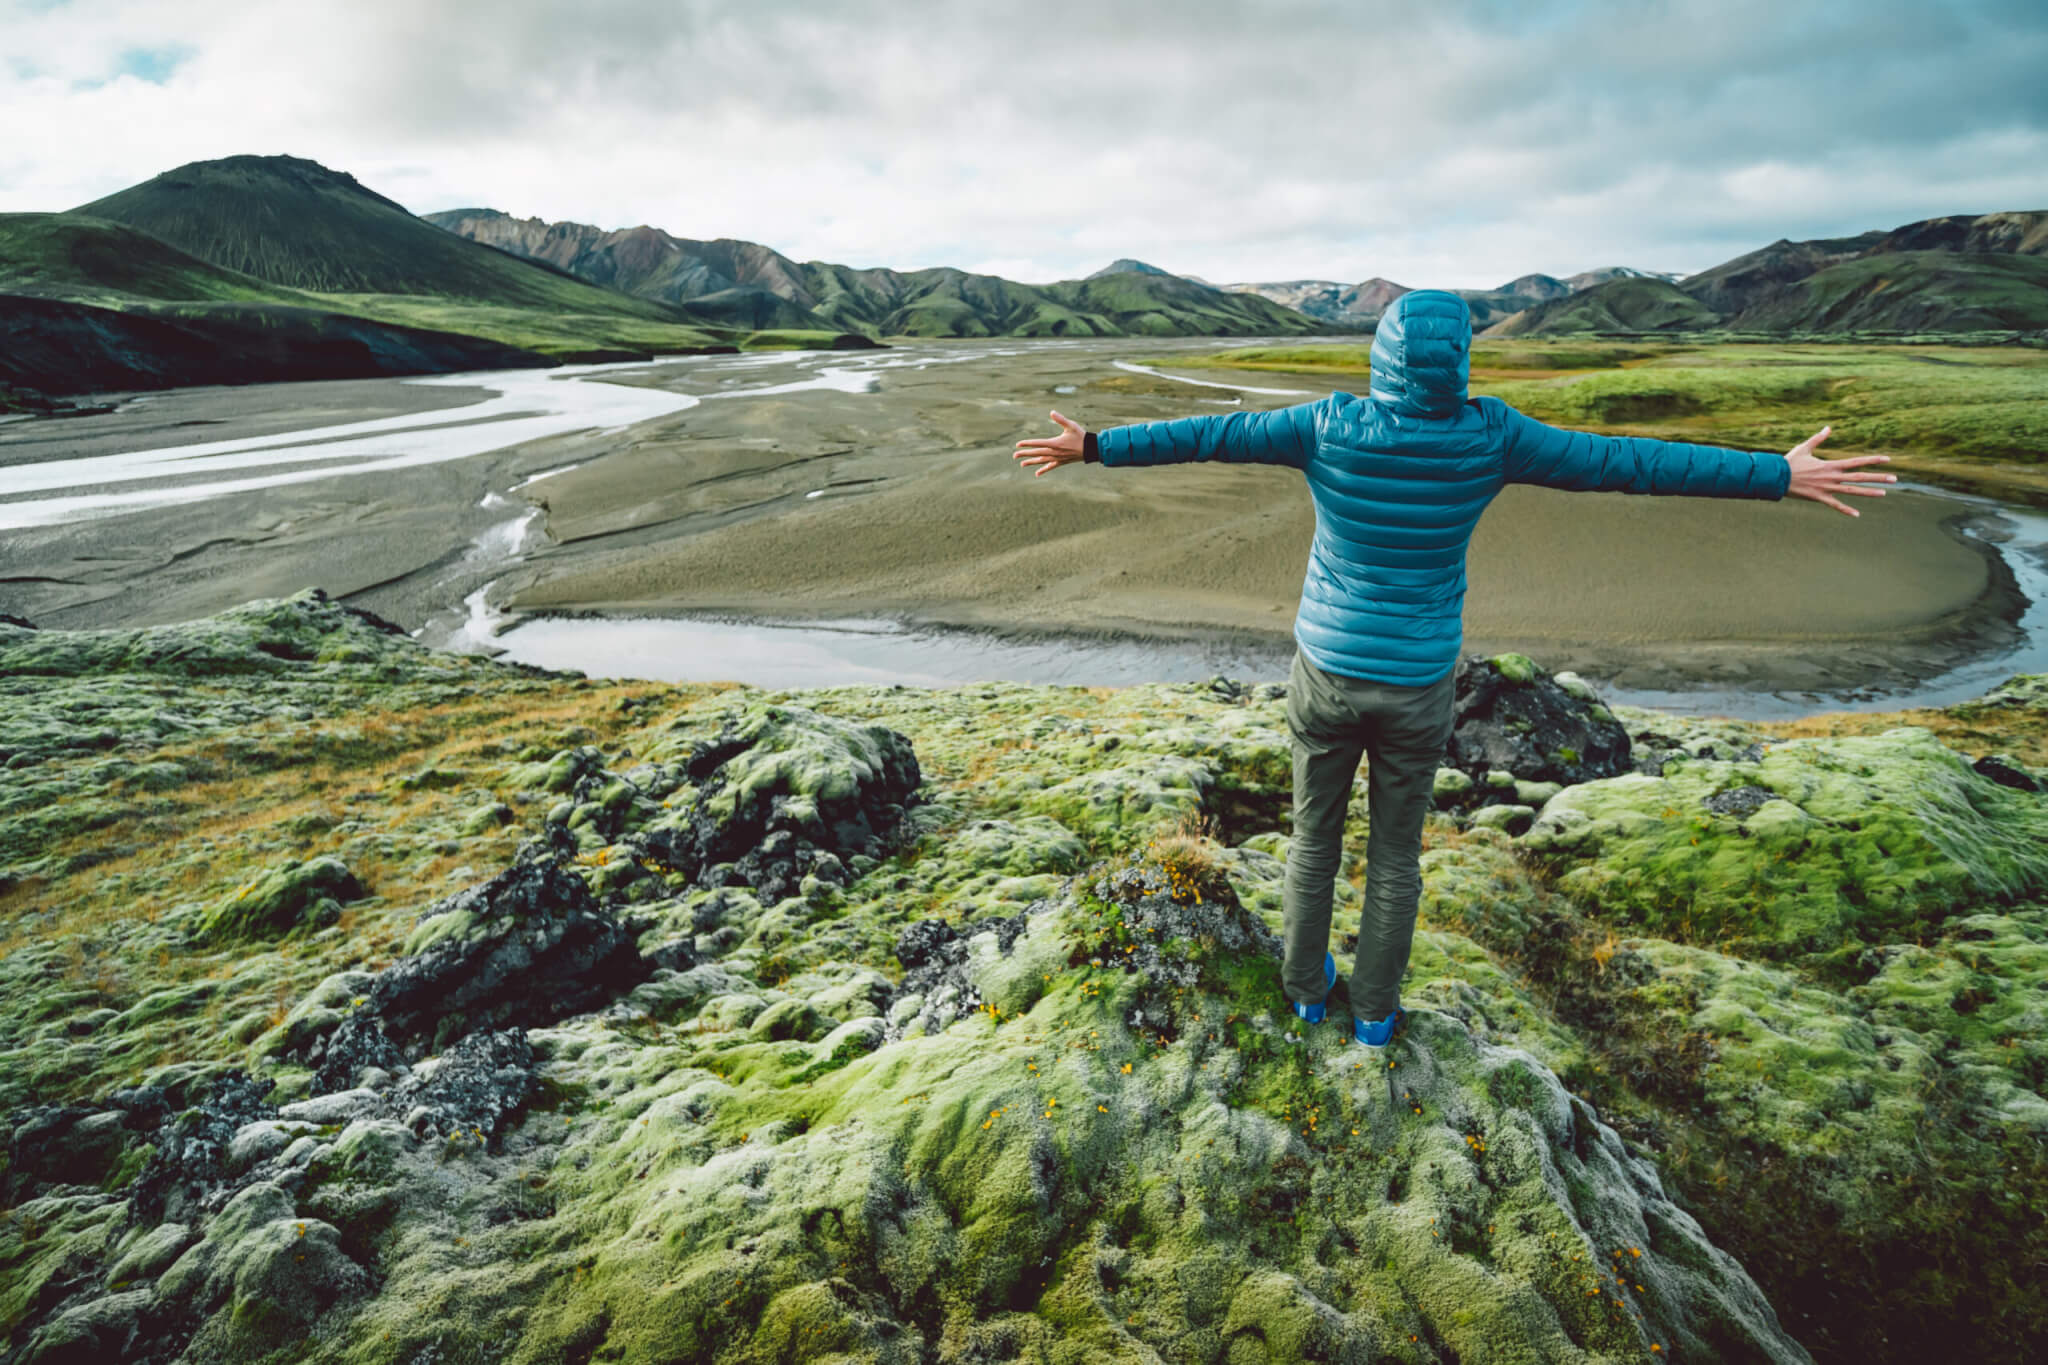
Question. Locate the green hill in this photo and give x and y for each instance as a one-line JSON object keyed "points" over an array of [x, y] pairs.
{"points": [[85, 259], [1911, 291], [295, 223], [266, 254], [1628, 304], [1962, 273]]}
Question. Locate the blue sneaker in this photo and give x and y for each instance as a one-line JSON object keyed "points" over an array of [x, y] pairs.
{"points": [[1380, 1032], [1313, 1014]]}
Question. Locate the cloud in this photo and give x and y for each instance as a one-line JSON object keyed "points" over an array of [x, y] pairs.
{"points": [[1293, 139]]}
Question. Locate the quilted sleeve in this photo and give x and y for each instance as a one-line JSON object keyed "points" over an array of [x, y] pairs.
{"points": [[1534, 452], [1282, 436]]}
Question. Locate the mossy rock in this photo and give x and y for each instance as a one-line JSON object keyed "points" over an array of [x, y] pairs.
{"points": [[284, 899], [1863, 837]]}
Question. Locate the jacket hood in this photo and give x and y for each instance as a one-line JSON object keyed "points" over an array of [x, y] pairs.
{"points": [[1422, 354]]}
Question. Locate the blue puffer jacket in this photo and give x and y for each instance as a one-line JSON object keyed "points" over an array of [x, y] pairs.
{"points": [[1399, 480]]}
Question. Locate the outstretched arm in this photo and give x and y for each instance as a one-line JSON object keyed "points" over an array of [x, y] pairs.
{"points": [[1282, 436], [1581, 461]]}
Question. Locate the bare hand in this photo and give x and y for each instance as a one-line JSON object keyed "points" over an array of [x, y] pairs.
{"points": [[1050, 452], [1813, 477]]}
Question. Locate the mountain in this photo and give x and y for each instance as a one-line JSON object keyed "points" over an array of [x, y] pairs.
{"points": [[1126, 266], [733, 277], [1536, 288], [1996, 234], [293, 222], [287, 231], [1961, 273], [87, 304], [743, 283], [1911, 291], [1606, 274], [1630, 303], [1346, 305], [1735, 285], [1360, 305]]}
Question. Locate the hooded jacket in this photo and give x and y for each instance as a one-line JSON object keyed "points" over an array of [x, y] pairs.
{"points": [[1400, 477]]}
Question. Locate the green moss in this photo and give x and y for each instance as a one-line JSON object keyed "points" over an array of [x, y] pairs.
{"points": [[282, 900], [1516, 668]]}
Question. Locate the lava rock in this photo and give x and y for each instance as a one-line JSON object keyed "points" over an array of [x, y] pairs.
{"points": [[530, 946], [1739, 801], [476, 1085], [191, 1160], [358, 1041], [62, 1144], [1510, 715], [784, 793], [2006, 774]]}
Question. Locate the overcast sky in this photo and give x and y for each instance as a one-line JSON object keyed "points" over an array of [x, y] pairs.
{"points": [[1254, 141]]}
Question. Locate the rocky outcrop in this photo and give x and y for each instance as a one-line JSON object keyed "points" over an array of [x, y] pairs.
{"points": [[1733, 1052], [782, 795], [1512, 715]]}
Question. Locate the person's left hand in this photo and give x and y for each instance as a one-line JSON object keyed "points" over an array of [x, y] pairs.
{"points": [[1050, 452]]}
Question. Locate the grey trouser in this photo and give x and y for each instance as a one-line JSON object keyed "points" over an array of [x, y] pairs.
{"points": [[1402, 731]]}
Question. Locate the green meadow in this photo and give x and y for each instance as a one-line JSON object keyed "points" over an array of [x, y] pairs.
{"points": [[1972, 412]]}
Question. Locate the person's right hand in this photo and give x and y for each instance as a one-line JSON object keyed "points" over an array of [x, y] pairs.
{"points": [[1042, 453], [1813, 477]]}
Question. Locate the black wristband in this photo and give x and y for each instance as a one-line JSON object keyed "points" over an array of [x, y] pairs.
{"points": [[1090, 451]]}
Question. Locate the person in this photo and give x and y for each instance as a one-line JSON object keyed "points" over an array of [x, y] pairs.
{"points": [[1399, 479]]}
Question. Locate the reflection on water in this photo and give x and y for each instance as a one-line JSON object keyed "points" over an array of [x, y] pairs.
{"points": [[862, 650]]}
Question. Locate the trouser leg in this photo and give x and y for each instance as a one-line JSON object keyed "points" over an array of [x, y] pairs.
{"points": [[1405, 742], [1326, 747]]}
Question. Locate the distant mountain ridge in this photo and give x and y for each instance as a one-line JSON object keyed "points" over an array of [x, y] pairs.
{"points": [[1360, 305], [1961, 273], [261, 267], [738, 280]]}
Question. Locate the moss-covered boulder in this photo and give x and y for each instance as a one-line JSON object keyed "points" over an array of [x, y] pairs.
{"points": [[781, 793], [1510, 715], [1815, 845], [298, 895]]}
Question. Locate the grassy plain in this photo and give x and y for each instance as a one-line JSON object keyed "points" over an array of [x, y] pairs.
{"points": [[1975, 416]]}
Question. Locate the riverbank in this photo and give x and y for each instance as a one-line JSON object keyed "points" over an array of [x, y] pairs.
{"points": [[812, 485]]}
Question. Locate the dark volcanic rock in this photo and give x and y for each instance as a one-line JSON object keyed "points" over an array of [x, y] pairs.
{"points": [[477, 1084], [72, 1144], [358, 1041], [1512, 715], [787, 793], [189, 1165], [530, 946], [1738, 801], [2005, 774]]}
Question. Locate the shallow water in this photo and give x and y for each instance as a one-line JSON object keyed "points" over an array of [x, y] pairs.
{"points": [[521, 406], [790, 654]]}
